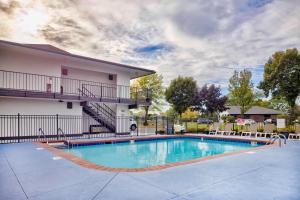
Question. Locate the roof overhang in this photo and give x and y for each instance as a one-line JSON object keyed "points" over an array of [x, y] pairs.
{"points": [[135, 72]]}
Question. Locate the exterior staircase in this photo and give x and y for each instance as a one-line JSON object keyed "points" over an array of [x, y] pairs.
{"points": [[100, 112]]}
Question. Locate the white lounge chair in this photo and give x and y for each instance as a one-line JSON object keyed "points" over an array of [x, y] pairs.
{"points": [[227, 130], [214, 128], [268, 131], [252, 131]]}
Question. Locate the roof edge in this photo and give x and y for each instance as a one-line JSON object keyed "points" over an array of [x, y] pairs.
{"points": [[80, 57]]}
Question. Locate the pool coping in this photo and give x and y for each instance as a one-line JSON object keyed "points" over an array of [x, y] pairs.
{"points": [[90, 165]]}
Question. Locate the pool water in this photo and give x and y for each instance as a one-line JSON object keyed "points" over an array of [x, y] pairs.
{"points": [[140, 154]]}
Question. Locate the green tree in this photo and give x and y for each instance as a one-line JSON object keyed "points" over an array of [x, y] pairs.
{"points": [[170, 113], [241, 90], [181, 93], [279, 104], [282, 77], [150, 86]]}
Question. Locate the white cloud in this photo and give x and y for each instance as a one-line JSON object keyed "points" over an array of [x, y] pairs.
{"points": [[203, 39]]}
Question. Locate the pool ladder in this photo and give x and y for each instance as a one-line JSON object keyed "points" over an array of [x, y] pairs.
{"points": [[277, 137], [41, 133], [64, 135]]}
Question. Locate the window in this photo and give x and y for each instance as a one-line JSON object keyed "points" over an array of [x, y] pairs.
{"points": [[69, 105]]}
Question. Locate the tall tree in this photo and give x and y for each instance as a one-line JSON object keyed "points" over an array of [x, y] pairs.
{"points": [[152, 87], [241, 90], [282, 77], [210, 100], [181, 93]]}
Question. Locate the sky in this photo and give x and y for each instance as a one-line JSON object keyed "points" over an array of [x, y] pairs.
{"points": [[204, 39]]}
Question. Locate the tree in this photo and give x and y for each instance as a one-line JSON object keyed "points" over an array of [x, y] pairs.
{"points": [[241, 90], [181, 93], [279, 104], [282, 77], [210, 100], [170, 113], [150, 85], [189, 114]]}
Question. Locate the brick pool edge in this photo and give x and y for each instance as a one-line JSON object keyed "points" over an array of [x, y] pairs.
{"points": [[90, 165]]}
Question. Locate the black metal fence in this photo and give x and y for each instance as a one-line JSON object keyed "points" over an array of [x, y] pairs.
{"points": [[21, 128], [67, 86]]}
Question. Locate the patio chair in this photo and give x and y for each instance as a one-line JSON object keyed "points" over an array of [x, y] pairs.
{"points": [[214, 128], [251, 132], [268, 131], [227, 130], [295, 135]]}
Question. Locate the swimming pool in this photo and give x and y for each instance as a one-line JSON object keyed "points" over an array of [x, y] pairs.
{"points": [[148, 153]]}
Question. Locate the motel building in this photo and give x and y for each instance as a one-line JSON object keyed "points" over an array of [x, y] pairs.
{"points": [[47, 89]]}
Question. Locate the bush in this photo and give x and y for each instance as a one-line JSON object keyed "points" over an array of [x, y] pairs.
{"points": [[260, 129], [194, 127], [291, 129], [228, 119], [282, 130]]}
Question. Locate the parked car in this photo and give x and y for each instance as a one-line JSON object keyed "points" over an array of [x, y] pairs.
{"points": [[270, 121], [204, 121], [133, 124]]}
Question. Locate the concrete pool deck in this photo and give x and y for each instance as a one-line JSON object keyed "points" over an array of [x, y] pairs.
{"points": [[29, 172]]}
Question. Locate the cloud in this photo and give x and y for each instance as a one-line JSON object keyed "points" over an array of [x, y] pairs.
{"points": [[204, 39]]}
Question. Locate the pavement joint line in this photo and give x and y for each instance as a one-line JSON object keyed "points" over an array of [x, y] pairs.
{"points": [[220, 181], [106, 184], [15, 175], [63, 187], [145, 182]]}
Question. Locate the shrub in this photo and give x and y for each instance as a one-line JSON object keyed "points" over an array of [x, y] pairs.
{"points": [[260, 129], [282, 130], [229, 119], [291, 129], [191, 129]]}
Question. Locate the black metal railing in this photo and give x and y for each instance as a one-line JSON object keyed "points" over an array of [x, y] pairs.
{"points": [[21, 128], [67, 86], [101, 107]]}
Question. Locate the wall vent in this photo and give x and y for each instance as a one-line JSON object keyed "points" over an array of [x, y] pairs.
{"points": [[64, 72]]}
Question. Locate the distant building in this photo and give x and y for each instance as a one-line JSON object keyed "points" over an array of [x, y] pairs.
{"points": [[257, 113]]}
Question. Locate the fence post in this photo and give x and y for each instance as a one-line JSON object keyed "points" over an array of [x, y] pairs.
{"points": [[137, 127], [18, 127], [156, 125], [167, 125], [57, 126], [196, 126]]}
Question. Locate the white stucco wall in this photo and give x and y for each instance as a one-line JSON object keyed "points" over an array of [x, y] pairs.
{"points": [[34, 62], [26, 106]]}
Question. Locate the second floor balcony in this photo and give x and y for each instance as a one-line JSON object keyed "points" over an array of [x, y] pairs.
{"points": [[19, 84]]}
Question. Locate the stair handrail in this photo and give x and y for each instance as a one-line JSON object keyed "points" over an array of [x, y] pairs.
{"points": [[109, 117], [110, 113], [87, 92], [41, 133]]}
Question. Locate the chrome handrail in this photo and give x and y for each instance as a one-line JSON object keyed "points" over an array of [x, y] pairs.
{"points": [[63, 133], [275, 137], [41, 133]]}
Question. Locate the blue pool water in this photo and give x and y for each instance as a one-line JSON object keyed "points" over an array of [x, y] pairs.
{"points": [[141, 154]]}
